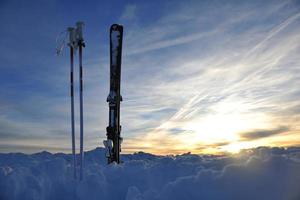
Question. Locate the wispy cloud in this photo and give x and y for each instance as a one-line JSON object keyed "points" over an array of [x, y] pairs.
{"points": [[257, 134], [129, 12], [194, 76], [232, 80]]}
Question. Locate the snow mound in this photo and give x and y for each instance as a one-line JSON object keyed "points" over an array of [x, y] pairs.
{"points": [[261, 173]]}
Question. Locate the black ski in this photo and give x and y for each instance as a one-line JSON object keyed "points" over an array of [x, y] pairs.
{"points": [[113, 142]]}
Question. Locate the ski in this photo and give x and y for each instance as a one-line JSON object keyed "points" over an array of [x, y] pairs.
{"points": [[114, 140]]}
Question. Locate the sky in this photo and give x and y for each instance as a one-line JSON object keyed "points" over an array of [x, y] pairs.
{"points": [[197, 76]]}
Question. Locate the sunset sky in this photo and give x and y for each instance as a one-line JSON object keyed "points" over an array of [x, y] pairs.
{"points": [[198, 76]]}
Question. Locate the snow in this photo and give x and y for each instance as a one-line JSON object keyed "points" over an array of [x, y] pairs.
{"points": [[261, 173]]}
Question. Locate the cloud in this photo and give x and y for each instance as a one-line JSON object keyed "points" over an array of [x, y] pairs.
{"points": [[275, 31], [168, 43], [182, 67], [258, 134], [228, 80], [129, 12]]}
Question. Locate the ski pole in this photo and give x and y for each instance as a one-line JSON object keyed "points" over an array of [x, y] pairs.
{"points": [[72, 34], [80, 45]]}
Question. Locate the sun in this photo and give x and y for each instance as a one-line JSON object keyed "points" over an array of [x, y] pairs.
{"points": [[223, 127], [235, 148]]}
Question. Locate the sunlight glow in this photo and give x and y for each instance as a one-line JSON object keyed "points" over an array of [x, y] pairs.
{"points": [[224, 125], [236, 147], [212, 133]]}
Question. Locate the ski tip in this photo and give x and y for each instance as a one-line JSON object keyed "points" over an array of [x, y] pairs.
{"points": [[116, 27]]}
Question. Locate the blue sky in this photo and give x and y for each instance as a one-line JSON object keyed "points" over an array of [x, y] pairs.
{"points": [[200, 76]]}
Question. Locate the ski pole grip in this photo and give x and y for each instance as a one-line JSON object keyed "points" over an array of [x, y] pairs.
{"points": [[72, 36], [79, 28]]}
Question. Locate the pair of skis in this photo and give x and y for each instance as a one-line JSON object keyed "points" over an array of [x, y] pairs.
{"points": [[76, 41], [114, 139]]}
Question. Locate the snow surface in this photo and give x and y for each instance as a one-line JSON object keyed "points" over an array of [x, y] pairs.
{"points": [[262, 173]]}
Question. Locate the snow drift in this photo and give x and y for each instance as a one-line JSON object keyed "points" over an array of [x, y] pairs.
{"points": [[261, 173]]}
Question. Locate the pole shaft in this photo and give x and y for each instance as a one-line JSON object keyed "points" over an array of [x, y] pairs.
{"points": [[72, 108], [81, 109]]}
